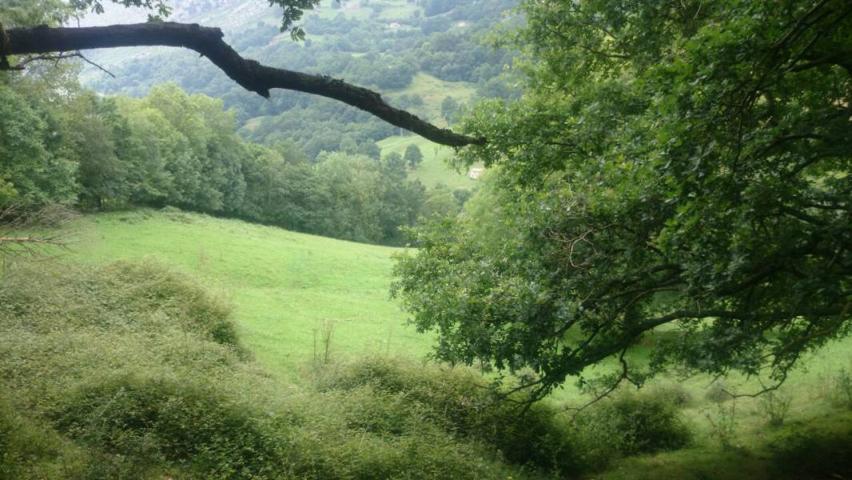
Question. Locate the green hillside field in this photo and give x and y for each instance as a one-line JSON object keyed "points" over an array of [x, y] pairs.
{"points": [[287, 289], [434, 169]]}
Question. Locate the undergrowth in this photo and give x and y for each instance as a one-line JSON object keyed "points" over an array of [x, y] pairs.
{"points": [[134, 371]]}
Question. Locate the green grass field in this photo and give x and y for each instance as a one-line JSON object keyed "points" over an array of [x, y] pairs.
{"points": [[433, 90], [286, 288], [390, 9], [435, 168]]}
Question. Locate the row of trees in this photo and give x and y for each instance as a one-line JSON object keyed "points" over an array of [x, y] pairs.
{"points": [[67, 145]]}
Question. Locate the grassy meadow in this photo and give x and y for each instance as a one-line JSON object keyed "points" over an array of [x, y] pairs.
{"points": [[288, 290], [433, 91], [434, 169]]}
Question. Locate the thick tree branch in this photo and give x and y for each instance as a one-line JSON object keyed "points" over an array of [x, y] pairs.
{"points": [[249, 74]]}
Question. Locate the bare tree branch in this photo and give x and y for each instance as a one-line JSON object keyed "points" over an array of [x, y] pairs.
{"points": [[34, 232], [57, 58], [249, 74], [623, 375]]}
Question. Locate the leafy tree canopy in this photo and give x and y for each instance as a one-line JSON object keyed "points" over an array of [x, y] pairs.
{"points": [[676, 174]]}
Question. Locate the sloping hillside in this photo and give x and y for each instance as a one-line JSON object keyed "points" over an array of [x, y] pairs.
{"points": [[132, 370], [418, 55], [166, 353], [434, 169], [288, 289]]}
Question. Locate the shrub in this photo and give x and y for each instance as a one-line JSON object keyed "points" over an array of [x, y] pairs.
{"points": [[29, 450], [718, 393], [140, 296], [840, 394], [723, 424], [151, 287], [813, 455], [331, 448], [459, 402], [775, 406], [673, 393], [629, 424], [155, 420]]}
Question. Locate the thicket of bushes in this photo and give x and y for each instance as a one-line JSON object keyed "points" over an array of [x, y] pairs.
{"points": [[134, 371]]}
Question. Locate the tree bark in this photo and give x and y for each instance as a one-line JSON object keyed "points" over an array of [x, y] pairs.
{"points": [[209, 42]]}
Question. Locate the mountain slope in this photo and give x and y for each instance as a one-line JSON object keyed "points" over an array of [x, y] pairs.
{"points": [[387, 45]]}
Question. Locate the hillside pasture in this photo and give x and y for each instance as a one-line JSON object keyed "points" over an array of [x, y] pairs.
{"points": [[288, 289]]}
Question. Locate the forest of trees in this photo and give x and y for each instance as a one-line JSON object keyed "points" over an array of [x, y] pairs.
{"points": [[171, 148]]}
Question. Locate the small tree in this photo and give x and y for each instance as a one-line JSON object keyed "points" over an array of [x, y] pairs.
{"points": [[394, 162], [449, 108], [413, 155]]}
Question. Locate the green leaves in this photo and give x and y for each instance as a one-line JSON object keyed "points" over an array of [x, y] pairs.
{"points": [[293, 11], [669, 163], [31, 172], [160, 8]]}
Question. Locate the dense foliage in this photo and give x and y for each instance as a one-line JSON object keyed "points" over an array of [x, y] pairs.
{"points": [[174, 149], [676, 168]]}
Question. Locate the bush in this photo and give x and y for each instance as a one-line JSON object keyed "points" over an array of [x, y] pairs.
{"points": [[717, 393], [153, 421], [152, 287], [775, 406], [840, 394], [29, 450], [672, 393], [814, 455], [629, 424], [138, 296], [460, 403], [723, 424], [356, 435]]}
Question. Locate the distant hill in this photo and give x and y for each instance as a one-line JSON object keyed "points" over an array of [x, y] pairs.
{"points": [[416, 53]]}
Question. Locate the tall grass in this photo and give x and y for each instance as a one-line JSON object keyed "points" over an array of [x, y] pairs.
{"points": [[131, 370], [134, 371]]}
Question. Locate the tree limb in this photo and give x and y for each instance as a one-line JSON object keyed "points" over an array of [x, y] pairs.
{"points": [[249, 74]]}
